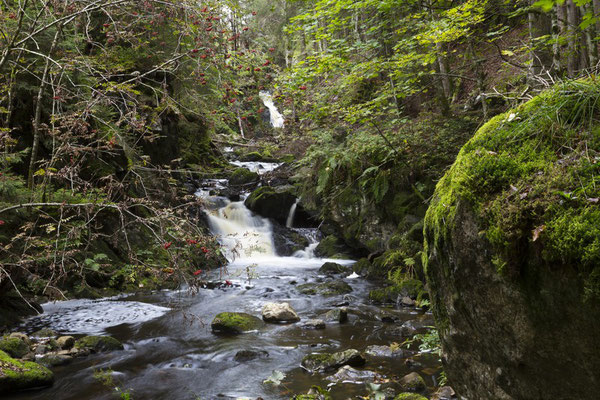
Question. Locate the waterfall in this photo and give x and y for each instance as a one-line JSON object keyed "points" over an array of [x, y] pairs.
{"points": [[289, 223], [241, 233], [277, 120]]}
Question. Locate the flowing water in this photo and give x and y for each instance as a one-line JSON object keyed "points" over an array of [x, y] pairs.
{"points": [[277, 120], [171, 353]]}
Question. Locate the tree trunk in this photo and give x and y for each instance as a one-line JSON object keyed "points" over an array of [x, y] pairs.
{"points": [[590, 36], [38, 112], [540, 25], [572, 38]]}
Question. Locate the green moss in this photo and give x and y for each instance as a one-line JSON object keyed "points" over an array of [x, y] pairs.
{"points": [[409, 396], [243, 176], [532, 178], [330, 288], [333, 247], [15, 347], [98, 343], [315, 393], [16, 375], [235, 323]]}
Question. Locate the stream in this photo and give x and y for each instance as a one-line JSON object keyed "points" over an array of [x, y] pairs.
{"points": [[171, 353]]}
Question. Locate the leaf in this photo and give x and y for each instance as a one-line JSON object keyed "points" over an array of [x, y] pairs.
{"points": [[537, 231], [275, 379]]}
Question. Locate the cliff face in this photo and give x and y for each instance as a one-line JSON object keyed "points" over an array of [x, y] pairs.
{"points": [[512, 252]]}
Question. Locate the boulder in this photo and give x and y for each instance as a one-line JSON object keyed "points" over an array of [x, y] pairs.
{"points": [[243, 176], [444, 393], [333, 247], [65, 342], [272, 202], [347, 374], [330, 288], [314, 324], [249, 355], [409, 396], [234, 323], [22, 336], [21, 375], [337, 315], [54, 360], [44, 333], [287, 241], [384, 351], [279, 312], [14, 347], [323, 362], [413, 382], [97, 344], [511, 253], [331, 268]]}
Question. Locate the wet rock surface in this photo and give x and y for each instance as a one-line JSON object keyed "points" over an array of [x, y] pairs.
{"points": [[323, 362], [234, 323], [279, 312]]}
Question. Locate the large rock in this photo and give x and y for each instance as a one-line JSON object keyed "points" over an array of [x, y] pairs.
{"points": [[512, 253], [271, 202], [287, 241], [17, 375], [234, 323], [413, 382], [330, 288], [98, 344], [323, 362], [339, 314], [243, 176], [14, 347], [279, 312], [331, 268], [333, 247]]}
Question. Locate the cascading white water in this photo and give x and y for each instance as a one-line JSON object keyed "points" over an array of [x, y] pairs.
{"points": [[277, 120], [241, 233], [289, 223]]}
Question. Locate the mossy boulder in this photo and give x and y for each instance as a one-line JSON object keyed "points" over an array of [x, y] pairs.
{"points": [[315, 393], [413, 382], [98, 344], [333, 247], [17, 375], [331, 268], [409, 396], [329, 288], [271, 202], [512, 252], [323, 362], [234, 323], [14, 347], [243, 176]]}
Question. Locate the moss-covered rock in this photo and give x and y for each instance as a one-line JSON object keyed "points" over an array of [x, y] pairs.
{"points": [[333, 247], [271, 202], [16, 375], [234, 323], [413, 382], [243, 176], [14, 347], [409, 396], [98, 343], [329, 288], [331, 268], [315, 393], [513, 252], [323, 362]]}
